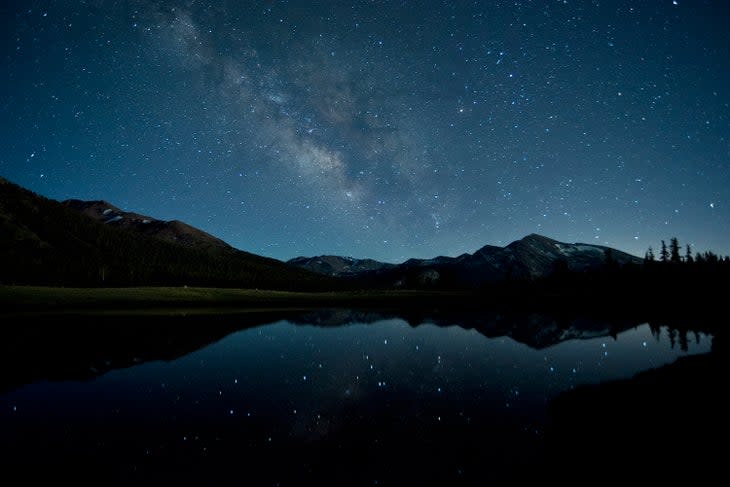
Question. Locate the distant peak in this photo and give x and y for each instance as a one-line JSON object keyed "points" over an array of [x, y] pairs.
{"points": [[74, 203], [536, 236]]}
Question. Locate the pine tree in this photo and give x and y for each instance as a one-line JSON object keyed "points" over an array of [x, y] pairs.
{"points": [[688, 255], [649, 256], [674, 250], [664, 253]]}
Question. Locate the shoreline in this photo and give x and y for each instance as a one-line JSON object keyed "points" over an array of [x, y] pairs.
{"points": [[616, 302]]}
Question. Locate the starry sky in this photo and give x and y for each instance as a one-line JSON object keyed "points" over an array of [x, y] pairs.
{"points": [[379, 129]]}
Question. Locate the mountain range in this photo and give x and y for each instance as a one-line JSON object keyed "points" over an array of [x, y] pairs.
{"points": [[173, 231], [534, 256], [94, 243], [91, 244]]}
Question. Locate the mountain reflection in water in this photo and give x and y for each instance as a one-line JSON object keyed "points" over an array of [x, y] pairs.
{"points": [[327, 397]]}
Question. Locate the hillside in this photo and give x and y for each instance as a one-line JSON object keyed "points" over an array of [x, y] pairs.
{"points": [[173, 231], [46, 242]]}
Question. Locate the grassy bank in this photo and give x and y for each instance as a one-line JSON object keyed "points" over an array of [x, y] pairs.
{"points": [[38, 298], [617, 302]]}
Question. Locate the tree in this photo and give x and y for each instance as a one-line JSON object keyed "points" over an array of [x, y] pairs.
{"points": [[674, 250], [672, 334], [688, 255], [664, 253], [649, 256], [656, 330], [683, 342]]}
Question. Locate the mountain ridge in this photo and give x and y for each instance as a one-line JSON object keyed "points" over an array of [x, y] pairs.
{"points": [[174, 231], [92, 250], [533, 256], [46, 242]]}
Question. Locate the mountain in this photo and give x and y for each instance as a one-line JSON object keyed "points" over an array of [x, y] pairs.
{"points": [[334, 265], [79, 243], [534, 256], [171, 231], [92, 243]]}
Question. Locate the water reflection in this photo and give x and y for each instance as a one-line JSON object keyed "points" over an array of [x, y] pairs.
{"points": [[337, 396]]}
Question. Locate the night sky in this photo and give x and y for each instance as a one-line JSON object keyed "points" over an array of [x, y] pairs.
{"points": [[379, 129]]}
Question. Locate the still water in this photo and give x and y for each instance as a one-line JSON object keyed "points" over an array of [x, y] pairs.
{"points": [[324, 398]]}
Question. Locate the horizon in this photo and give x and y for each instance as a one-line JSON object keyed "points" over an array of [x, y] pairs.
{"points": [[655, 248], [359, 130]]}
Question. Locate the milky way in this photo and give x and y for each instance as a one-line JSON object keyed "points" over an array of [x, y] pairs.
{"points": [[379, 129]]}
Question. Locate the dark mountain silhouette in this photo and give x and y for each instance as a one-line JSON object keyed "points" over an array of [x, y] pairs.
{"points": [[94, 243], [171, 231], [532, 257], [334, 265], [46, 242]]}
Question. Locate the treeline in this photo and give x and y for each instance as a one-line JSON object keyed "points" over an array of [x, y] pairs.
{"points": [[697, 274], [678, 280], [673, 253], [44, 243]]}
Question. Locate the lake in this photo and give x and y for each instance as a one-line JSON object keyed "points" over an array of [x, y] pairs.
{"points": [[326, 397]]}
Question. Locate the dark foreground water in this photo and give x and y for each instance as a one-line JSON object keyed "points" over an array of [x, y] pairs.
{"points": [[326, 398]]}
